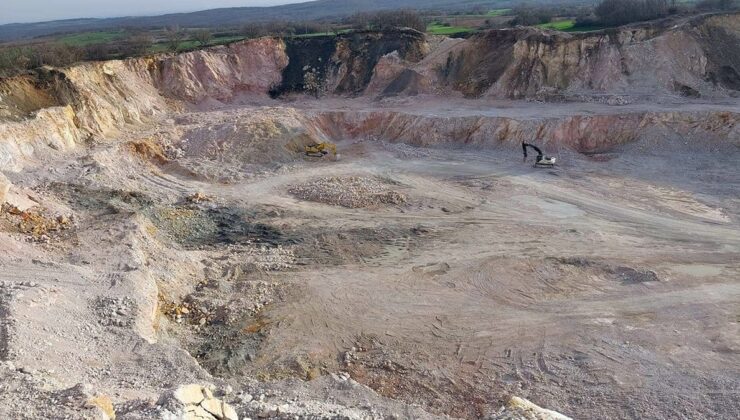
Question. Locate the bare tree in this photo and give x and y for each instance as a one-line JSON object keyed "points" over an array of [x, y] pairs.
{"points": [[14, 60], [386, 20], [137, 44], [252, 30], [527, 16], [203, 37], [621, 12], [174, 36]]}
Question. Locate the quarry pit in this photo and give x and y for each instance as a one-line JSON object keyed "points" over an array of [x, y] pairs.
{"points": [[161, 226]]}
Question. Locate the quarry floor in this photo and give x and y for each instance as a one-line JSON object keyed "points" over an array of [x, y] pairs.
{"points": [[606, 287]]}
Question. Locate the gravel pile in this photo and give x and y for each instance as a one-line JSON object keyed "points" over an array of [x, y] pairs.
{"points": [[270, 258], [352, 192], [117, 312]]}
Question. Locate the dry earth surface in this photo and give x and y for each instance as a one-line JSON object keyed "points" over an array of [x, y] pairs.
{"points": [[426, 273]]}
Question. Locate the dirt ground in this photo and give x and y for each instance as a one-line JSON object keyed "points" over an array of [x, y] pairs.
{"points": [[606, 287]]}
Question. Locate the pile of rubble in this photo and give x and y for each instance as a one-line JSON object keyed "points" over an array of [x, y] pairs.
{"points": [[185, 402], [352, 192], [117, 312], [37, 225], [269, 258], [196, 402]]}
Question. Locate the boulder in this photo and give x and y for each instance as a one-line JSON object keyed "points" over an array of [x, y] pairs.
{"points": [[190, 394], [197, 402], [525, 409]]}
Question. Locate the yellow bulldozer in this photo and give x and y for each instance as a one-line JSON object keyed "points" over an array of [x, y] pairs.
{"points": [[321, 149]]}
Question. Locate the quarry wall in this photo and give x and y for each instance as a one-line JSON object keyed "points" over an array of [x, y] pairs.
{"points": [[57, 109]]}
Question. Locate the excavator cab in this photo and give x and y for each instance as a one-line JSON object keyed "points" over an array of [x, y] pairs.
{"points": [[321, 149], [541, 161]]}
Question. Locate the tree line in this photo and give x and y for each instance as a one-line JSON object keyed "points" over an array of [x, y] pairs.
{"points": [[610, 13]]}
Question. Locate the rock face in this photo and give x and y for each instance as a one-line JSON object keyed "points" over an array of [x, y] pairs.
{"points": [[50, 129], [693, 57], [52, 110], [344, 64], [222, 73], [582, 133], [58, 109]]}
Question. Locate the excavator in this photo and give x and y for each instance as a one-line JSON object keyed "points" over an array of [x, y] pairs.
{"points": [[321, 149], [541, 161]]}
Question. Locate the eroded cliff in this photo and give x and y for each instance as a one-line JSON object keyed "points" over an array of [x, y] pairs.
{"points": [[696, 58]]}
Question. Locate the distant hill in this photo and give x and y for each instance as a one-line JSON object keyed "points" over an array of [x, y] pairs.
{"points": [[319, 9]]}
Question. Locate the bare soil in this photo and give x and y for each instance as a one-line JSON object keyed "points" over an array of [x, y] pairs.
{"points": [[606, 287]]}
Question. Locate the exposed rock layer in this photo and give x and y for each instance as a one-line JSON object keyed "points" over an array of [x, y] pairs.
{"points": [[56, 109], [694, 57], [583, 133]]}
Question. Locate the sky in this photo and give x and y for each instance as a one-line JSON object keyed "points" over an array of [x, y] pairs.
{"points": [[22, 11]]}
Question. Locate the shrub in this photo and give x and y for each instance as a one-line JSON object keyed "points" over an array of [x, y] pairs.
{"points": [[174, 36], [621, 12], [531, 16], [385, 20], [203, 37], [13, 60], [136, 44]]}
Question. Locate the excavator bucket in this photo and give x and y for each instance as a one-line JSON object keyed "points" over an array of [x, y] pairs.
{"points": [[545, 162]]}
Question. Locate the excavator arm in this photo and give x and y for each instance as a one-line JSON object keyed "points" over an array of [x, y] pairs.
{"points": [[536, 149], [541, 160]]}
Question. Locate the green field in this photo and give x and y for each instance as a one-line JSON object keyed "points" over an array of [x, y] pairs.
{"points": [[568, 25], [560, 25], [89, 38], [314, 34], [497, 12], [437, 29], [490, 13], [190, 44]]}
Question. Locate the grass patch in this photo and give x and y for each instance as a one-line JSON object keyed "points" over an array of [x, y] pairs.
{"points": [[568, 25], [497, 12], [559, 25], [161, 47], [315, 34], [90, 38], [437, 29]]}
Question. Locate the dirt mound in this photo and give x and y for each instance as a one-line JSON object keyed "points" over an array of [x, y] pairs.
{"points": [[352, 192], [148, 150], [230, 149]]}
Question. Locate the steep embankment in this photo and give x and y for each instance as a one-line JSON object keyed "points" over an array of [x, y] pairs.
{"points": [[691, 57], [59, 108], [581, 132], [55, 109], [344, 64]]}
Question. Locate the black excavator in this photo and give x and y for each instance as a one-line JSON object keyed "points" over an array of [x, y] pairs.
{"points": [[541, 161]]}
